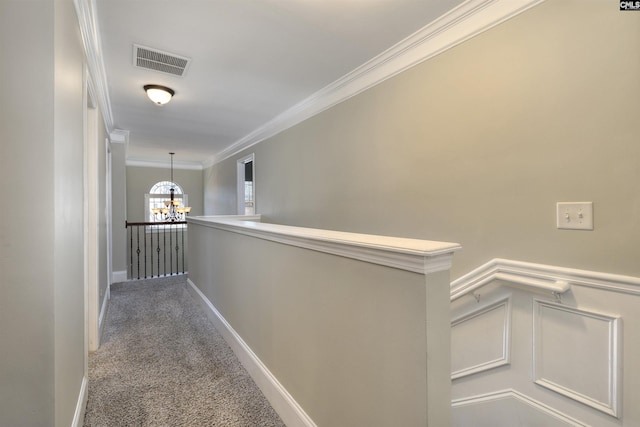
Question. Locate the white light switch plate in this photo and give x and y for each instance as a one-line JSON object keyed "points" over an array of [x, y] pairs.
{"points": [[575, 215]]}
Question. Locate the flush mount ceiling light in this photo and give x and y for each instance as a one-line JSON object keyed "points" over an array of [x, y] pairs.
{"points": [[159, 94]]}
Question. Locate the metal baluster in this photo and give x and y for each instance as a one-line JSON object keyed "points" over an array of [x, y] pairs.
{"points": [[158, 250], [177, 252], [176, 230], [130, 251], [151, 246], [138, 249], [144, 244], [182, 231]]}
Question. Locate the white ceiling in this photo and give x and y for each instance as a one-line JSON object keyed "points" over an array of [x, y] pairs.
{"points": [[250, 61]]}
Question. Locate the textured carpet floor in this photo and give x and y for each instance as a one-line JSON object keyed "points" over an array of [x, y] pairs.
{"points": [[162, 363]]}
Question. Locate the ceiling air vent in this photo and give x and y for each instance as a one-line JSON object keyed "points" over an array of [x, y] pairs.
{"points": [[157, 60]]}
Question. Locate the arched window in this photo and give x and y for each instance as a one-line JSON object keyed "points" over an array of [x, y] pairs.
{"points": [[156, 197], [164, 187]]}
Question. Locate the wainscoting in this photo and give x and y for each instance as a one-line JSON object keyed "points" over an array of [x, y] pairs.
{"points": [[545, 344], [335, 329]]}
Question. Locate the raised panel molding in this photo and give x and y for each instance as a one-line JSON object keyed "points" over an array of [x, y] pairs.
{"points": [[491, 403], [489, 328], [576, 353]]}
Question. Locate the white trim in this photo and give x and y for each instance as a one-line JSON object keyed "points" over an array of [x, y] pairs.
{"points": [[539, 277], [240, 179], [418, 256], [82, 400], [119, 276], [614, 343], [103, 311], [252, 218], [119, 136], [92, 159], [283, 403], [109, 214], [164, 165], [513, 394], [81, 404], [505, 358], [458, 25], [90, 32]]}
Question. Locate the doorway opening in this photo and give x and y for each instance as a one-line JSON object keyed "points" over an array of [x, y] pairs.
{"points": [[246, 185]]}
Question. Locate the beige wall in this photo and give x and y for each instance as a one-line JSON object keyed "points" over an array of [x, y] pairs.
{"points": [[220, 190], [27, 287], [476, 146], [141, 179], [347, 339], [42, 351]]}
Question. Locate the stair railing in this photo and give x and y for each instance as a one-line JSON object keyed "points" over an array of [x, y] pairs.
{"points": [[156, 249]]}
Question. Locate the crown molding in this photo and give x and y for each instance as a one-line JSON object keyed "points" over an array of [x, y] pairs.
{"points": [[467, 20], [165, 164], [541, 278], [86, 12], [119, 136]]}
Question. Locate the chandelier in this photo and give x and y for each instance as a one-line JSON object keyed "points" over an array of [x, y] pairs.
{"points": [[172, 211]]}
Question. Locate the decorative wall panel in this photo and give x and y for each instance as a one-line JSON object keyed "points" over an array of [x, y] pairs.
{"points": [[480, 340], [576, 354], [507, 408]]}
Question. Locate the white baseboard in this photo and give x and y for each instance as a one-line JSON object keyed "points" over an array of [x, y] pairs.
{"points": [[103, 311], [78, 416], [282, 402], [119, 276]]}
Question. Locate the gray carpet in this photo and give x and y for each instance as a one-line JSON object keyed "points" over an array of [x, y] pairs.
{"points": [[162, 363]]}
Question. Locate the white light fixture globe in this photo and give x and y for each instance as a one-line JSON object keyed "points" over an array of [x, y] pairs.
{"points": [[159, 94]]}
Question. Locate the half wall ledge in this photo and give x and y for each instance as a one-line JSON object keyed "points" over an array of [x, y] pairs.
{"points": [[415, 255], [336, 328]]}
